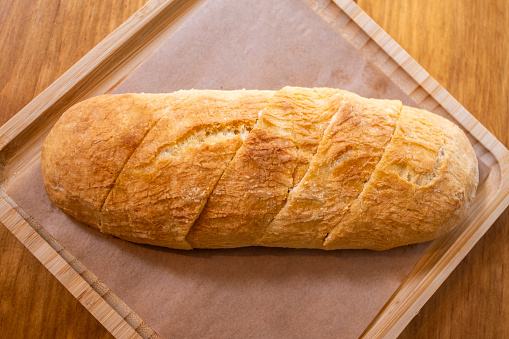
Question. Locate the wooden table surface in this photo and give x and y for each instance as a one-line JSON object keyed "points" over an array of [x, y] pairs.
{"points": [[463, 44]]}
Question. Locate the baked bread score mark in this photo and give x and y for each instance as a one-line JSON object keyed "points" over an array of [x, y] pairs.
{"points": [[421, 189], [312, 111], [83, 155], [351, 148], [166, 183], [252, 188]]}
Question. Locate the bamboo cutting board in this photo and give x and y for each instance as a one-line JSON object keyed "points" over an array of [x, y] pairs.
{"points": [[410, 79]]}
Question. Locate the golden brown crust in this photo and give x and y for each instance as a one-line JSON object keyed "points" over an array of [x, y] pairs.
{"points": [[314, 168]]}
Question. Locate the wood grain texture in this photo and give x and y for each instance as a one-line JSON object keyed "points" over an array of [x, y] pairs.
{"points": [[34, 304], [466, 52]]}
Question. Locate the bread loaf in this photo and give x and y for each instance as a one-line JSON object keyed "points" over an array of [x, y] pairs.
{"points": [[304, 168]]}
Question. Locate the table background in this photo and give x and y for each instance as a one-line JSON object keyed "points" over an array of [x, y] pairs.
{"points": [[463, 44]]}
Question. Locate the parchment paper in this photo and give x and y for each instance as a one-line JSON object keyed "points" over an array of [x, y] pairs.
{"points": [[249, 292]]}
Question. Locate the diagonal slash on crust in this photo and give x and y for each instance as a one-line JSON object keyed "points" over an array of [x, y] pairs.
{"points": [[304, 176], [219, 179], [127, 160], [366, 184]]}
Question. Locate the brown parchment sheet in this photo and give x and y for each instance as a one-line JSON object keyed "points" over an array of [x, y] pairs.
{"points": [[248, 292]]}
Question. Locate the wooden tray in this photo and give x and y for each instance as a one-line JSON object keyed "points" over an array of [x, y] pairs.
{"points": [[109, 63]]}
